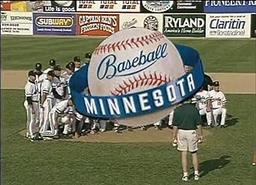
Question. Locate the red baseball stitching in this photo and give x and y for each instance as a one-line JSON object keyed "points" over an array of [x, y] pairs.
{"points": [[141, 80], [129, 43]]}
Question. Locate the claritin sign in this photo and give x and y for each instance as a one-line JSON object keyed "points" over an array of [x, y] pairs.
{"points": [[135, 76]]}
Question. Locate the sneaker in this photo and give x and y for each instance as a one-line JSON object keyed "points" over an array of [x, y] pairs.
{"points": [[222, 126], [45, 138], [174, 143], [185, 178], [102, 130], [254, 163], [196, 177]]}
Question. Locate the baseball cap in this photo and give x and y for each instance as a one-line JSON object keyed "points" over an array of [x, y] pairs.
{"points": [[57, 68], [88, 55], [38, 66], [77, 59], [71, 66], [31, 73], [52, 62], [216, 83]]}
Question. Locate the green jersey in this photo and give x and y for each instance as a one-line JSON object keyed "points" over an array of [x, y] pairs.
{"points": [[186, 117]]}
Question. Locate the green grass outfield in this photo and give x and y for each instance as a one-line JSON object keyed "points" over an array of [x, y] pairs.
{"points": [[218, 55], [225, 156]]}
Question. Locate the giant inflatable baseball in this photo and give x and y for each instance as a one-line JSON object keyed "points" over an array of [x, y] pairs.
{"points": [[136, 76]]}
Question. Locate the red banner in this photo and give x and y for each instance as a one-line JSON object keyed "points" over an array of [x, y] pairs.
{"points": [[97, 24]]}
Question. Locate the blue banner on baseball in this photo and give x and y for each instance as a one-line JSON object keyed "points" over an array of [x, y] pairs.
{"points": [[136, 77]]}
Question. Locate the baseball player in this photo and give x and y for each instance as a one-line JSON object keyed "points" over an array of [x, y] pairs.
{"points": [[218, 102], [39, 79], [52, 63], [70, 69], [46, 103], [31, 105], [58, 85], [62, 108], [203, 105], [87, 58], [77, 62]]}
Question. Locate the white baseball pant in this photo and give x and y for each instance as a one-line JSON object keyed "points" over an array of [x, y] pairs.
{"points": [[222, 112]]}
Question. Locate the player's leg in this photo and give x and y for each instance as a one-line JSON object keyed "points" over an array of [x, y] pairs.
{"points": [[36, 117], [182, 143], [53, 123], [170, 119], [28, 114], [193, 148], [103, 125], [215, 113], [223, 116]]}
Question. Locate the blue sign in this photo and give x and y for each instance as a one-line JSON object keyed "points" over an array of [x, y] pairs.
{"points": [[230, 6], [54, 24], [140, 103]]}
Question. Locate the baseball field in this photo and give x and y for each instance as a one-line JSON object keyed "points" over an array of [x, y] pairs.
{"points": [[225, 155]]}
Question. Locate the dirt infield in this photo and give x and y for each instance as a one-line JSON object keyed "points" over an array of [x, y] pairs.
{"points": [[150, 135], [231, 83]]}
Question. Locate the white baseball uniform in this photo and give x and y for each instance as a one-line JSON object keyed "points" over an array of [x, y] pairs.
{"points": [[58, 85], [44, 75], [218, 105], [46, 89], [39, 81], [66, 81], [31, 105], [60, 108], [201, 99]]}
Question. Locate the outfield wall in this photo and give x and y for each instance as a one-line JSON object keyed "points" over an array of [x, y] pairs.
{"points": [[190, 18]]}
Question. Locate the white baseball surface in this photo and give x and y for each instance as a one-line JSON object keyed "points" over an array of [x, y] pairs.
{"points": [[127, 45]]}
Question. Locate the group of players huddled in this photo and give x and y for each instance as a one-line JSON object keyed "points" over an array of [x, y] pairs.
{"points": [[52, 115]]}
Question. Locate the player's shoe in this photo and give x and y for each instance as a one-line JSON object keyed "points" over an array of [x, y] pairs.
{"points": [[157, 127], [196, 177], [102, 130], [254, 163], [174, 143], [184, 178], [143, 128]]}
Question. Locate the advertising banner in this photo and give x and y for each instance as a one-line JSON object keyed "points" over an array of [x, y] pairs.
{"points": [[230, 6], [16, 23], [60, 6], [228, 25], [172, 6], [109, 6], [253, 25], [184, 25], [54, 24], [97, 24], [149, 21]]}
